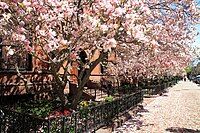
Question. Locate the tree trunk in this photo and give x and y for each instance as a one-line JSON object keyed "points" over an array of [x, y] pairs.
{"points": [[73, 90], [83, 80], [80, 88], [77, 97], [61, 95]]}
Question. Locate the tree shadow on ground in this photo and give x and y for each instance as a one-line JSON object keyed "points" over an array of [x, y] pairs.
{"points": [[164, 95], [141, 109], [150, 96], [182, 130], [198, 85]]}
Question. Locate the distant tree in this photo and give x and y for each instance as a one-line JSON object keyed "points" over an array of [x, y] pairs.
{"points": [[188, 69]]}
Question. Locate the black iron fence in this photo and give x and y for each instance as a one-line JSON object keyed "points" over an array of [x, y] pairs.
{"points": [[85, 120], [113, 86], [110, 85], [154, 89], [158, 88], [14, 122]]}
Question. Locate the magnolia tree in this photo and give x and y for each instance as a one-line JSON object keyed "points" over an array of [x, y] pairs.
{"points": [[144, 34], [169, 32]]}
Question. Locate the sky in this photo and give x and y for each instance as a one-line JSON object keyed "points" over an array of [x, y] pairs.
{"points": [[197, 38]]}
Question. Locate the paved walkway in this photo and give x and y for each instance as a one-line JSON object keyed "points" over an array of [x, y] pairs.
{"points": [[177, 111]]}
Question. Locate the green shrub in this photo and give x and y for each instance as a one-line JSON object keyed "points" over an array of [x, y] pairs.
{"points": [[109, 99], [39, 108]]}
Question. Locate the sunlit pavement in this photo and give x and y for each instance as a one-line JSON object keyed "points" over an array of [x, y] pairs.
{"points": [[176, 111]]}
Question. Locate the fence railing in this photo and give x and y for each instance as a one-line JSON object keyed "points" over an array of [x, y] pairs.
{"points": [[120, 88], [157, 88], [85, 120], [14, 122]]}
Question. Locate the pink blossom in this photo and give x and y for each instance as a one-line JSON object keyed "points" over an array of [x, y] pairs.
{"points": [[26, 42], [16, 1], [42, 32], [21, 30], [4, 5], [113, 42], [143, 35], [52, 33], [28, 17], [21, 37], [29, 49], [104, 28], [21, 23], [26, 3], [11, 52], [120, 11]]}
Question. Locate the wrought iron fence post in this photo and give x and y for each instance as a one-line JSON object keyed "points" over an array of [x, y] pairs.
{"points": [[23, 120], [1, 113], [101, 114], [95, 119], [95, 91], [117, 85], [113, 113], [1, 119], [117, 102], [48, 128], [63, 124], [75, 123], [86, 119]]}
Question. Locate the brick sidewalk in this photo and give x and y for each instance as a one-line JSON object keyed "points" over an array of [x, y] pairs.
{"points": [[177, 111]]}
